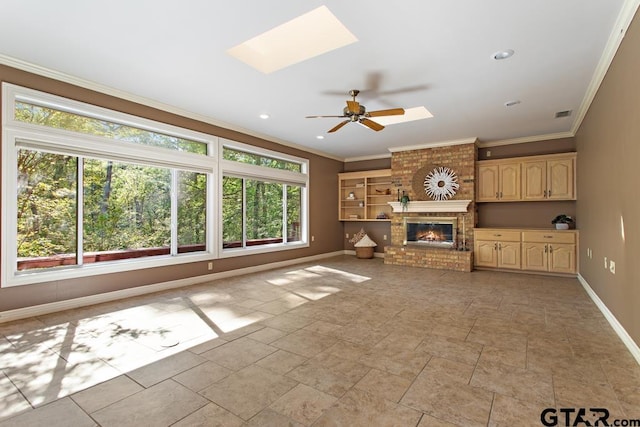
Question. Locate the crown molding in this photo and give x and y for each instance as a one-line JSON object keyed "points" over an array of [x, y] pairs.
{"points": [[525, 139], [372, 157], [107, 90], [618, 32], [473, 140]]}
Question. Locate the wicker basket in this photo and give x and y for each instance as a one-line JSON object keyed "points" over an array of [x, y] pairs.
{"points": [[364, 252]]}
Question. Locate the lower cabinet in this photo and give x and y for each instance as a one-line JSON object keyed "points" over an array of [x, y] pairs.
{"points": [[554, 252], [497, 248], [529, 250]]}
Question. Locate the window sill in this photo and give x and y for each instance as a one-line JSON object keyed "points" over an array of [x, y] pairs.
{"points": [[254, 250], [88, 270]]}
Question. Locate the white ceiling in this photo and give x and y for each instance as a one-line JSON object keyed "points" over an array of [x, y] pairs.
{"points": [[435, 53]]}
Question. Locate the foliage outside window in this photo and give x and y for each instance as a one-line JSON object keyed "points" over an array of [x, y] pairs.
{"points": [[260, 160], [54, 118], [254, 213]]}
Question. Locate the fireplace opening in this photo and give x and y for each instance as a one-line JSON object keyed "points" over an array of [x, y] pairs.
{"points": [[439, 232]]}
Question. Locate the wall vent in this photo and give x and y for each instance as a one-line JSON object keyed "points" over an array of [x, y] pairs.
{"points": [[565, 113]]}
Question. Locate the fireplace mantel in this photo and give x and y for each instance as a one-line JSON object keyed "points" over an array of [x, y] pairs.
{"points": [[432, 206]]}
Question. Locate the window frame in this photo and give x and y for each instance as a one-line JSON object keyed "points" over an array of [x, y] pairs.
{"points": [[18, 135], [248, 171]]}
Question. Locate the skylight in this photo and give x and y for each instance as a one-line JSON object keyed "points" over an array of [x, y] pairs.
{"points": [[302, 38], [410, 114]]}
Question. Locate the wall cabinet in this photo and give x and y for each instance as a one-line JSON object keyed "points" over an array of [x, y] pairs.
{"points": [[364, 195], [548, 251], [497, 248], [499, 182], [549, 179], [534, 178]]}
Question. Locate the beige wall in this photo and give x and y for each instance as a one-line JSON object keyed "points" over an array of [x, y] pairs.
{"points": [[323, 221], [608, 143]]}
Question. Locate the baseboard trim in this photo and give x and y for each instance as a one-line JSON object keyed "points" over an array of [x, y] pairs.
{"points": [[42, 309], [617, 327]]}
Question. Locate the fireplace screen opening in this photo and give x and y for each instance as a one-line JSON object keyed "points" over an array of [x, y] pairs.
{"points": [[430, 231]]}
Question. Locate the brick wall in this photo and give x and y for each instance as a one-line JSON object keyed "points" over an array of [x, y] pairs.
{"points": [[408, 169]]}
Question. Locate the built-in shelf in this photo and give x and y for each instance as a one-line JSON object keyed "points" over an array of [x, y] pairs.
{"points": [[364, 195]]}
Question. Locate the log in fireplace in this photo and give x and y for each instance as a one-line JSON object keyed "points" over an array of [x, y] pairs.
{"points": [[439, 232]]}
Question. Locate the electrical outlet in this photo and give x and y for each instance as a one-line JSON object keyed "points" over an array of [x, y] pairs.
{"points": [[612, 267], [606, 264], [590, 254], [210, 266], [346, 236], [488, 153], [384, 237], [313, 238]]}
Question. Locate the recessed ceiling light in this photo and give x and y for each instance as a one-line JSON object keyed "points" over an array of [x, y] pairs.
{"points": [[304, 37], [320, 137], [410, 114], [264, 116], [503, 54], [511, 103]]}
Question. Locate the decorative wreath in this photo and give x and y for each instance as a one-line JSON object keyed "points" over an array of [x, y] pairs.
{"points": [[441, 183]]}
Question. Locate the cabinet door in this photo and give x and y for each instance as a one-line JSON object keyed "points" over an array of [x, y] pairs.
{"points": [[560, 179], [509, 255], [534, 180], [534, 256], [488, 177], [562, 258], [485, 253], [509, 181]]}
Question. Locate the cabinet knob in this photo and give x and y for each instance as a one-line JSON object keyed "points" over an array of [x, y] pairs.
{"points": [[550, 248], [497, 195], [545, 193], [545, 249], [497, 235], [546, 236], [495, 246]]}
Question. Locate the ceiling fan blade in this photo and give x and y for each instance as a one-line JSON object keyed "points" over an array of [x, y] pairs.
{"points": [[353, 107], [338, 126], [371, 124], [322, 117], [390, 112]]}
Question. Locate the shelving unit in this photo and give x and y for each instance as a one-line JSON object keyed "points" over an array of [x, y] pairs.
{"points": [[364, 195]]}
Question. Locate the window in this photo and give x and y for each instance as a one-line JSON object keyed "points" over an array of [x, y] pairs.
{"points": [[260, 160], [86, 190], [59, 119], [263, 199], [72, 200]]}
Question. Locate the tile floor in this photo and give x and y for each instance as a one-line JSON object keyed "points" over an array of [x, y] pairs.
{"points": [[343, 342]]}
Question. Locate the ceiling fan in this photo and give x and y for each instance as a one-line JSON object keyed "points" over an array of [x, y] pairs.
{"points": [[354, 112]]}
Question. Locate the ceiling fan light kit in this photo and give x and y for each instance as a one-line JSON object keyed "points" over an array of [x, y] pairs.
{"points": [[355, 112]]}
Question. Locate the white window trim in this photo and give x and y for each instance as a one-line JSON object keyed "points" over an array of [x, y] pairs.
{"points": [[17, 134]]}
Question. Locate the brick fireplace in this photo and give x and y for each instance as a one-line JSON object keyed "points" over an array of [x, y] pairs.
{"points": [[409, 169]]}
